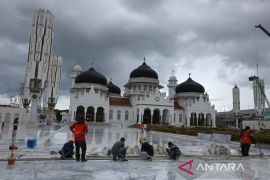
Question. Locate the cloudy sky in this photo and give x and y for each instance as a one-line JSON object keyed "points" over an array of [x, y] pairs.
{"points": [[213, 40]]}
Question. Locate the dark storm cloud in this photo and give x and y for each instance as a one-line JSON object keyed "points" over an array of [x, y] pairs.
{"points": [[116, 35]]}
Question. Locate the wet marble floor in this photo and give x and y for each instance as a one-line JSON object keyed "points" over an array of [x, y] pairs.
{"points": [[102, 137]]}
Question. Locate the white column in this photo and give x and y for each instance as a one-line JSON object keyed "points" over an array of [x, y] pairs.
{"points": [[213, 120], [106, 116], [172, 120], [188, 119], [161, 116]]}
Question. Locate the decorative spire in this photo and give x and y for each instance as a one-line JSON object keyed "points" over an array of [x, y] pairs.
{"points": [[144, 59], [173, 72], [92, 64], [78, 60], [111, 79], [189, 75]]}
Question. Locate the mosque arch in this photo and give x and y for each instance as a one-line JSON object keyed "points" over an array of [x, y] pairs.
{"points": [[90, 113], [156, 116], [147, 116], [80, 113], [201, 119], [165, 117], [138, 115], [100, 114], [193, 119], [208, 119]]}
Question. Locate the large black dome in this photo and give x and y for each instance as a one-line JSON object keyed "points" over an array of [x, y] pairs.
{"points": [[143, 71], [189, 86], [113, 88], [91, 76]]}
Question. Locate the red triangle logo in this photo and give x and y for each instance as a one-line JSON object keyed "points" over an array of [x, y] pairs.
{"points": [[181, 167]]}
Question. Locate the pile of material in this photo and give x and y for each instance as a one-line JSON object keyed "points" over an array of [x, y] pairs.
{"points": [[217, 149]]}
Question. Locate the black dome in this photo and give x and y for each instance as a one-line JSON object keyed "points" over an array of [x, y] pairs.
{"points": [[113, 88], [144, 71], [91, 76], [189, 86]]}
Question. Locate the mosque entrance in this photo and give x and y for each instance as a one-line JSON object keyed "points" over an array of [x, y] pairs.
{"points": [[201, 120], [208, 119], [165, 117], [100, 114], [147, 116], [193, 119], [90, 114], [80, 113], [156, 116]]}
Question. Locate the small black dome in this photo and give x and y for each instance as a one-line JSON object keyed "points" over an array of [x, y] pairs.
{"points": [[189, 86], [113, 88], [91, 76], [144, 71]]}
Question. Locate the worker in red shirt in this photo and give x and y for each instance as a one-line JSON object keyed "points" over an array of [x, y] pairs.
{"points": [[79, 130], [246, 140]]}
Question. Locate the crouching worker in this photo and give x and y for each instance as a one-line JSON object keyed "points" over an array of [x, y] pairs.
{"points": [[67, 150], [173, 151], [147, 150], [119, 150], [79, 130]]}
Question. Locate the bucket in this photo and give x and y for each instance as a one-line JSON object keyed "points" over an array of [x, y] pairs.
{"points": [[31, 143], [11, 161]]}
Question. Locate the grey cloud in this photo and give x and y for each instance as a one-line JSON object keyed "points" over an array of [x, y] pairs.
{"points": [[117, 38]]}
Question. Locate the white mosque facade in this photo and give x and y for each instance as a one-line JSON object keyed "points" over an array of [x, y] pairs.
{"points": [[95, 100]]}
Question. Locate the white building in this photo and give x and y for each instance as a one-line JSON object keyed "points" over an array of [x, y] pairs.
{"points": [[96, 100]]}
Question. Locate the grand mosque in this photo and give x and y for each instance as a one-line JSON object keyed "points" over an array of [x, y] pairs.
{"points": [[95, 99]]}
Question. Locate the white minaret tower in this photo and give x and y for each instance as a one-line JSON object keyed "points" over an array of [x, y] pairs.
{"points": [[172, 85], [236, 103], [236, 98], [39, 55], [76, 70]]}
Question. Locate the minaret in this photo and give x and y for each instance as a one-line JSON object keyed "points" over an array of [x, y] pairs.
{"points": [[76, 70], [39, 77], [39, 53], [172, 85], [236, 98], [236, 103]]}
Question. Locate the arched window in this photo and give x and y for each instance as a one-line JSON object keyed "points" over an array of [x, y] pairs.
{"points": [[126, 115], [111, 114], [118, 115]]}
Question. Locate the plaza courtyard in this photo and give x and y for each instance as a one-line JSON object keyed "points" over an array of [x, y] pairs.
{"points": [[41, 162]]}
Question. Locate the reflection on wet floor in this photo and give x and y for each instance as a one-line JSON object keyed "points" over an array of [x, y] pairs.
{"points": [[103, 137]]}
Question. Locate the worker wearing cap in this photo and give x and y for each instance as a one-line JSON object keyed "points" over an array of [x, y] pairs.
{"points": [[147, 150]]}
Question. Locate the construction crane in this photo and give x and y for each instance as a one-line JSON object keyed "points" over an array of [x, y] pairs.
{"points": [[263, 29], [256, 78]]}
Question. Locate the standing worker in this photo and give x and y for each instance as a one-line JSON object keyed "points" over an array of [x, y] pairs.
{"points": [[246, 140], [79, 130]]}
